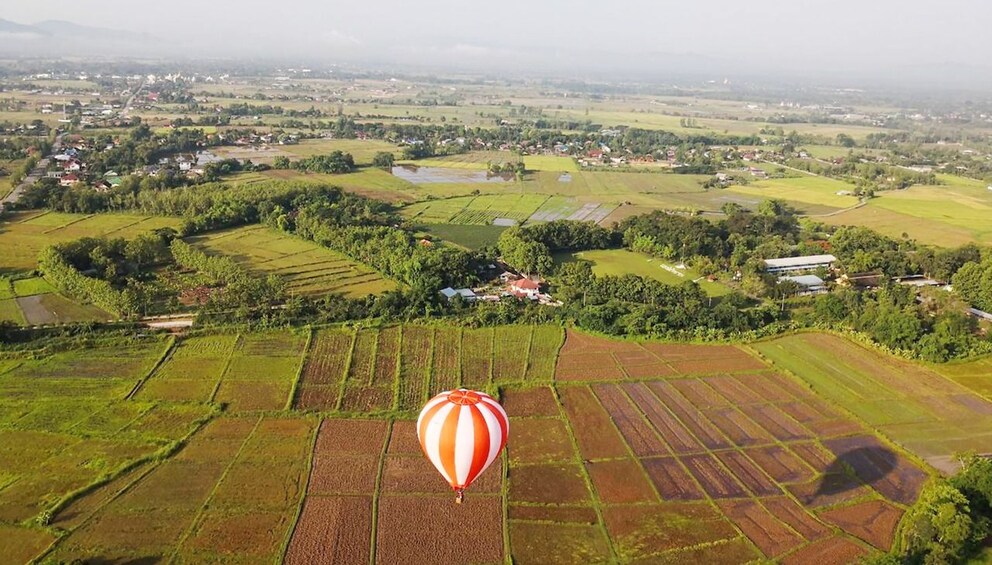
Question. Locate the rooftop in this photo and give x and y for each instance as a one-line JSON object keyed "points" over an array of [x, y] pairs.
{"points": [[805, 260]]}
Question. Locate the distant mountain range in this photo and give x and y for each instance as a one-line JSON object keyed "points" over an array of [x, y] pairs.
{"points": [[56, 37]]}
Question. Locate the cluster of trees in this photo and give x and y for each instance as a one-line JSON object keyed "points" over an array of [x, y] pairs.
{"points": [[935, 329], [106, 272], [950, 522], [862, 171], [365, 230], [633, 305], [337, 162], [973, 281], [529, 249], [241, 288]]}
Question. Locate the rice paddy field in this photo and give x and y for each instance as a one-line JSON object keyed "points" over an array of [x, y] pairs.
{"points": [[299, 446], [307, 268], [817, 191], [25, 234], [33, 301], [950, 214]]}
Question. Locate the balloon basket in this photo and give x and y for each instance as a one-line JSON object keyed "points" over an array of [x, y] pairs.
{"points": [[459, 496]]}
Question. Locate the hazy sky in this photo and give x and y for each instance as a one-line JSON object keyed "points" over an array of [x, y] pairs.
{"points": [[835, 36]]}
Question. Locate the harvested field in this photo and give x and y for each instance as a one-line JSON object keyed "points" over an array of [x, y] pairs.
{"points": [[874, 521], [418, 529], [926, 413], [539, 401], [307, 268], [620, 481], [548, 484], [334, 529], [543, 440]]}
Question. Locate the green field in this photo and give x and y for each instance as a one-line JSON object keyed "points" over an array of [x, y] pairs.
{"points": [[919, 409], [65, 425], [25, 234], [618, 262], [470, 237], [820, 191], [307, 268], [549, 163], [950, 214]]}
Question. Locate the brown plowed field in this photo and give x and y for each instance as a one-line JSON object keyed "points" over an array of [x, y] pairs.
{"points": [[873, 521], [539, 401], [671, 479], [749, 474], [715, 480], [594, 432], [641, 438], [830, 551], [332, 529], [770, 535]]}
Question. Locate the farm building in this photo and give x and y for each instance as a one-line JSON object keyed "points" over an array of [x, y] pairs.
{"points": [[799, 264], [808, 284], [465, 293], [862, 281], [918, 281]]}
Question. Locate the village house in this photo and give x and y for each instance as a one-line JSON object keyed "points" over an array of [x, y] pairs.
{"points": [[69, 179], [524, 288]]}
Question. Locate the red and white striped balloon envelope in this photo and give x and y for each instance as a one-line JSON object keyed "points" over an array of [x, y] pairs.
{"points": [[462, 432]]}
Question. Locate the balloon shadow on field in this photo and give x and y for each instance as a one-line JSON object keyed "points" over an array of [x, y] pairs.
{"points": [[856, 467]]}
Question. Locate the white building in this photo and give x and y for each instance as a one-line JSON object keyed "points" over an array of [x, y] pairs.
{"points": [[799, 264]]}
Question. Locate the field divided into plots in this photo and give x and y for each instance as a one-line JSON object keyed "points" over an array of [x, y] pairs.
{"points": [[928, 414], [397, 368], [371, 489], [620, 451], [517, 207], [697, 452], [245, 372], [65, 425], [307, 268], [232, 493]]}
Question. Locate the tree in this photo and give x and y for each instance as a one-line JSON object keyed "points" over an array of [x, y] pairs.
{"points": [[383, 160], [939, 526], [845, 140]]}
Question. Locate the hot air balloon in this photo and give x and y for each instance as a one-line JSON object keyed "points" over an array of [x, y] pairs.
{"points": [[462, 432]]}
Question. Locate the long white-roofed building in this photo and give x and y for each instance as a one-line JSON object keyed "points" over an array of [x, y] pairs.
{"points": [[799, 264]]}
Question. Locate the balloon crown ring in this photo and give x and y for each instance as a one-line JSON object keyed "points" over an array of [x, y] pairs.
{"points": [[464, 397]]}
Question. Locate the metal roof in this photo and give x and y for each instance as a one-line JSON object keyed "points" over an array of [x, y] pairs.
{"points": [[800, 261]]}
